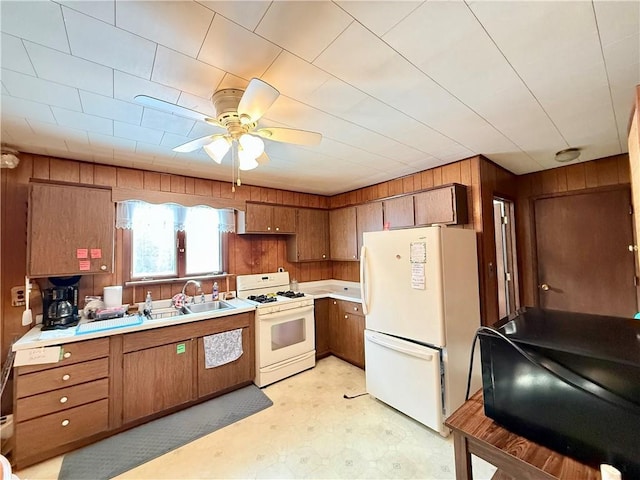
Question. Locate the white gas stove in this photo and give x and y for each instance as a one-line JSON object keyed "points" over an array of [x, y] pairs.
{"points": [[285, 326]]}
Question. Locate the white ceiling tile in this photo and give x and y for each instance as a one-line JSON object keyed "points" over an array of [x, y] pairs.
{"points": [[104, 10], [336, 97], [4, 89], [69, 70], [310, 26], [166, 121], [126, 87], [16, 127], [38, 90], [38, 21], [105, 44], [246, 13], [82, 121], [156, 150], [31, 110], [179, 25], [247, 56], [379, 16], [179, 71], [100, 140], [14, 56], [134, 132], [49, 131], [108, 107], [617, 20], [294, 77]]}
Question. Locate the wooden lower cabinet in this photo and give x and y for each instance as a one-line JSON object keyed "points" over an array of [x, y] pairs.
{"points": [[346, 327], [321, 314], [103, 386], [156, 379]]}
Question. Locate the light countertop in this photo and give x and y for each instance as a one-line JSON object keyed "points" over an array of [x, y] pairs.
{"points": [[338, 289], [35, 338]]}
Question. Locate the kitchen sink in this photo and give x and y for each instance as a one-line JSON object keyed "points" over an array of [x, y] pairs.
{"points": [[160, 313], [213, 306]]}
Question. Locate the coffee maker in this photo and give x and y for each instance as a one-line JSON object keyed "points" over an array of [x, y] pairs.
{"points": [[59, 307]]}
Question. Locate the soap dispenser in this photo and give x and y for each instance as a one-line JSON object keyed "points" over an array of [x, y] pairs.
{"points": [[148, 303], [215, 291]]}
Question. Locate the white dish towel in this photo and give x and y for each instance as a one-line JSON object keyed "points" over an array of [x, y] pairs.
{"points": [[222, 348]]}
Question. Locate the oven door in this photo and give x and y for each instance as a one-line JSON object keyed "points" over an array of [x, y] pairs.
{"points": [[285, 334]]}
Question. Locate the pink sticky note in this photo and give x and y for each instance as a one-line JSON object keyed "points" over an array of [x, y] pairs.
{"points": [[82, 253], [96, 253], [84, 265]]}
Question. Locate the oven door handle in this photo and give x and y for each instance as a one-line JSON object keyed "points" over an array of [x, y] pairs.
{"points": [[269, 317]]}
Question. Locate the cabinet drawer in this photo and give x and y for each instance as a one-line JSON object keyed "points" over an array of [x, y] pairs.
{"points": [[61, 377], [74, 353], [44, 433], [62, 399], [348, 308]]}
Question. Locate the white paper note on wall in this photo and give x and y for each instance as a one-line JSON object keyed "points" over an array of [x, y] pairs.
{"points": [[36, 356], [418, 280]]}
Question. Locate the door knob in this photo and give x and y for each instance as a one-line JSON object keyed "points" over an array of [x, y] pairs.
{"points": [[544, 287]]}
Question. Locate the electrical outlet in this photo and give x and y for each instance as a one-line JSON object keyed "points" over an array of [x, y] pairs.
{"points": [[17, 296]]}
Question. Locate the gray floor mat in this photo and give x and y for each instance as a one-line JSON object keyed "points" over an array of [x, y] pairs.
{"points": [[124, 451]]}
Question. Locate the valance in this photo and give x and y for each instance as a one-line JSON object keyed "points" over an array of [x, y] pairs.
{"points": [[127, 210]]}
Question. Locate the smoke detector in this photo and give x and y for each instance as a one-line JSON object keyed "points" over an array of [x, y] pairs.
{"points": [[9, 158]]}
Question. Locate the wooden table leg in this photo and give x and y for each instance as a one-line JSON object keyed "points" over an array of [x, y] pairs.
{"points": [[462, 457]]}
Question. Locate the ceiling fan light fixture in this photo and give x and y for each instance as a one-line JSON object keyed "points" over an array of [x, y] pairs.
{"points": [[217, 149], [246, 161], [567, 155], [251, 144]]}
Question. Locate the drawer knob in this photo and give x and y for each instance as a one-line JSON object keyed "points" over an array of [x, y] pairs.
{"points": [[65, 423], [66, 377], [355, 309], [268, 228], [346, 316], [324, 256], [63, 400], [277, 229], [103, 268], [67, 354]]}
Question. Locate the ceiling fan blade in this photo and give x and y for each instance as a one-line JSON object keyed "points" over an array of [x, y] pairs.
{"points": [[256, 100], [195, 144], [158, 104], [289, 135], [263, 159]]}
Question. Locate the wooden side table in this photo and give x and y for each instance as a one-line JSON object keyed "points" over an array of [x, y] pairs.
{"points": [[514, 456]]}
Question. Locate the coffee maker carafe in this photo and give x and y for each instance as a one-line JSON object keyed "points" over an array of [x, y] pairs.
{"points": [[59, 307]]}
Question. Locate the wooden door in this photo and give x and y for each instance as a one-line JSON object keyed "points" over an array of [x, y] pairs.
{"points": [[156, 379], [368, 219], [258, 218], [398, 212], [284, 220], [313, 236], [342, 234], [321, 315], [584, 262]]}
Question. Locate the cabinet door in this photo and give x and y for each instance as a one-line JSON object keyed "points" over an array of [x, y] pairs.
{"points": [[258, 218], [446, 205], [369, 219], [284, 220], [343, 234], [321, 315], [398, 212], [71, 230], [336, 339], [217, 379], [157, 378], [311, 242]]}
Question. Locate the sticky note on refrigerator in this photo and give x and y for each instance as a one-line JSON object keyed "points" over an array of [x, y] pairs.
{"points": [[418, 280]]}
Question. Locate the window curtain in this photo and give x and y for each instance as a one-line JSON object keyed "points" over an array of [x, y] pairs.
{"points": [[125, 211]]}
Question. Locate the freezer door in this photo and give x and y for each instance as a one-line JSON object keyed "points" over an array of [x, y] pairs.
{"points": [[391, 302], [406, 376]]}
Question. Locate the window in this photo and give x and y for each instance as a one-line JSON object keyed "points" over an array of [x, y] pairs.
{"points": [[169, 240]]}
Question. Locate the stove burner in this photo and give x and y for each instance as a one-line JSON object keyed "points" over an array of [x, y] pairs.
{"points": [[290, 294], [262, 298]]}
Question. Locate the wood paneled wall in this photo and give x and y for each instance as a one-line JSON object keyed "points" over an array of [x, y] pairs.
{"points": [[247, 254], [571, 178]]}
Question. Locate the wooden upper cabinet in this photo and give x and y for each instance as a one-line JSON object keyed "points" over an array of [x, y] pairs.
{"points": [[70, 230], [311, 242], [369, 219], [398, 212], [261, 218], [446, 205], [343, 234]]}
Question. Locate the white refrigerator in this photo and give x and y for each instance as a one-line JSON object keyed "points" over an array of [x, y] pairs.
{"points": [[420, 296]]}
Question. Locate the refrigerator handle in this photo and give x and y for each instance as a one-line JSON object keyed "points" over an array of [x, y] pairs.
{"points": [[407, 351], [363, 288]]}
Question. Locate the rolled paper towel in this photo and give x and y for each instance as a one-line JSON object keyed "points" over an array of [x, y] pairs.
{"points": [[607, 472], [112, 296]]}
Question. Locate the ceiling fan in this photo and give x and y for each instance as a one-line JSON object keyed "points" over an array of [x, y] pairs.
{"points": [[237, 112]]}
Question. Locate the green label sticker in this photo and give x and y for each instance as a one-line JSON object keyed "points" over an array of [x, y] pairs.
{"points": [[181, 348]]}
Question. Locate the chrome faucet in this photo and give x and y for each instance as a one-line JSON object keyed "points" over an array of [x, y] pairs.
{"points": [[184, 297]]}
